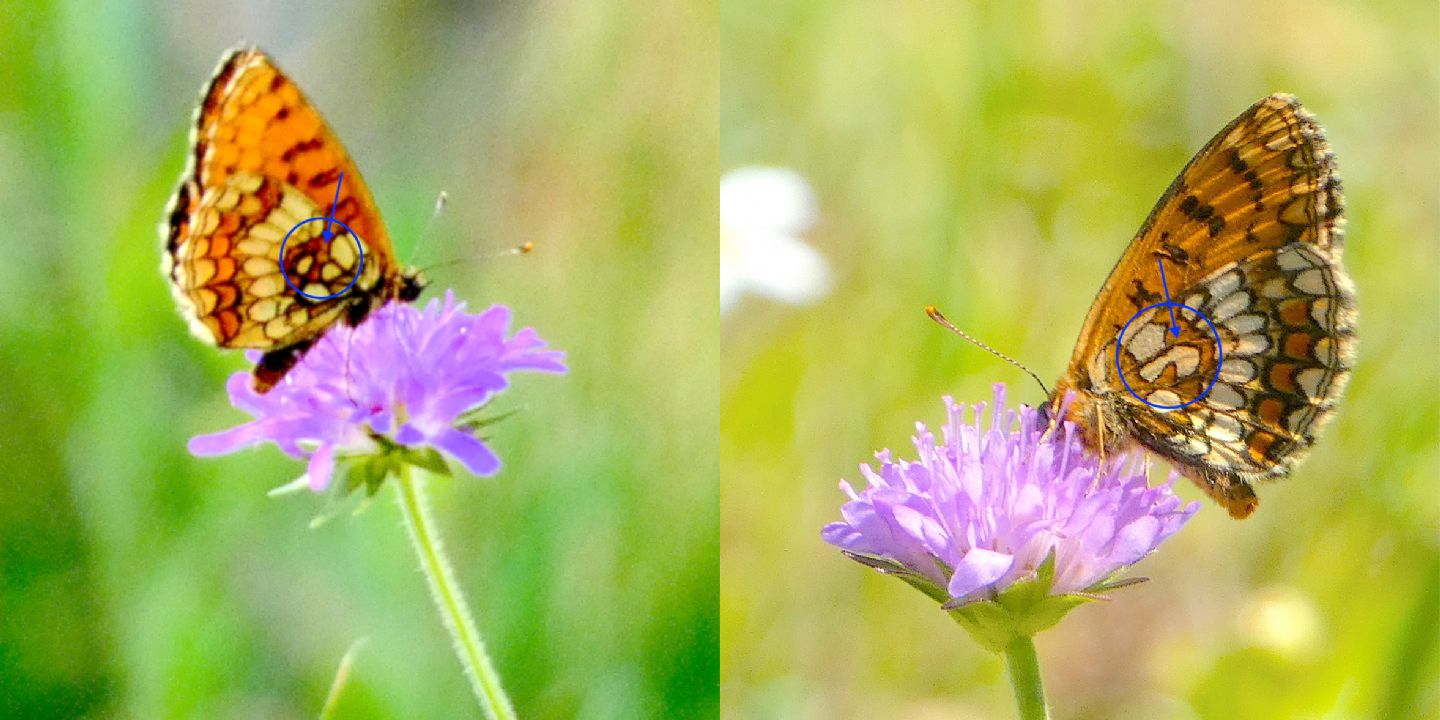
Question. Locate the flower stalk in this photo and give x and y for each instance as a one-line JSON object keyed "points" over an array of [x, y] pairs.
{"points": [[398, 395], [449, 601], [1024, 668]]}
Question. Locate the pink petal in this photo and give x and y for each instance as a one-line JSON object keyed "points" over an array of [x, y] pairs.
{"points": [[979, 568]]}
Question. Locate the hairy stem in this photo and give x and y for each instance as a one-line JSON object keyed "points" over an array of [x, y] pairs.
{"points": [[448, 599], [1025, 678]]}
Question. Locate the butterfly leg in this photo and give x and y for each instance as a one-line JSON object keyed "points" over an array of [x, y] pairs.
{"points": [[274, 364], [1100, 448]]}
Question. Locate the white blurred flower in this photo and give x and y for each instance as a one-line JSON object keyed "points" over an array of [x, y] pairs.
{"points": [[763, 210], [1284, 620]]}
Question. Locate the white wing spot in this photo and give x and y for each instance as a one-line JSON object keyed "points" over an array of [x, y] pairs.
{"points": [[1225, 397], [1146, 342], [1195, 446], [1311, 282], [266, 286], [267, 232], [245, 182], [1236, 370], [264, 309], [1225, 284], [1250, 345], [258, 266], [1223, 428], [226, 199], [255, 246], [342, 250], [1310, 379], [202, 270], [296, 205], [1231, 306], [277, 328], [1246, 324], [1184, 357], [1294, 259], [283, 218], [1164, 397]]}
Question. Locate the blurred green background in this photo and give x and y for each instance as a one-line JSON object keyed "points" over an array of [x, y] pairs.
{"points": [[139, 582], [994, 159]]}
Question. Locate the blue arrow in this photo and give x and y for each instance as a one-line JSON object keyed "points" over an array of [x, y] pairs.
{"points": [[330, 235], [1174, 329]]}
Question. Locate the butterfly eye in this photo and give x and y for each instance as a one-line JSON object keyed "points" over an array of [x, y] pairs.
{"points": [[411, 286], [1044, 412]]}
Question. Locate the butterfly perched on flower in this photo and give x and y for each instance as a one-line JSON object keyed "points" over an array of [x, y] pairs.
{"points": [[262, 161], [1249, 236]]}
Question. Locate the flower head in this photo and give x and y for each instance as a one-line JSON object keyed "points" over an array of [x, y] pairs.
{"points": [[405, 378], [986, 508], [763, 210]]}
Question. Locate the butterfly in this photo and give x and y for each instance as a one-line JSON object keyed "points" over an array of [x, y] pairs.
{"points": [[262, 163], [1242, 257]]}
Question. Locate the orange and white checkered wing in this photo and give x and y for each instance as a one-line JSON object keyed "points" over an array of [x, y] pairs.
{"points": [[263, 160], [1250, 235]]}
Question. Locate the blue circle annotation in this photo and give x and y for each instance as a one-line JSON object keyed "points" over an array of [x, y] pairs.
{"points": [[329, 238], [1219, 355]]}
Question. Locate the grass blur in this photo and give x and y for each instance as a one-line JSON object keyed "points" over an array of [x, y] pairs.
{"points": [[994, 158], [139, 582]]}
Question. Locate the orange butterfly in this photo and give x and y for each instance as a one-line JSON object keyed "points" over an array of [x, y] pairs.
{"points": [[1248, 237], [262, 163]]}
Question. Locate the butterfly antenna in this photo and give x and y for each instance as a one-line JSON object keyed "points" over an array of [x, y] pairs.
{"points": [[440, 201], [940, 320], [524, 248]]}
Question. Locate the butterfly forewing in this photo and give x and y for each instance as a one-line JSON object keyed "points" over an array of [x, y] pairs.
{"points": [[1249, 236], [263, 161]]}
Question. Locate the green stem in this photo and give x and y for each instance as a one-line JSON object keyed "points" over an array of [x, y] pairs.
{"points": [[448, 600], [1025, 677]]}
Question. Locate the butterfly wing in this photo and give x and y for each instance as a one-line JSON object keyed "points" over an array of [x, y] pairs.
{"points": [[263, 160], [1250, 236]]}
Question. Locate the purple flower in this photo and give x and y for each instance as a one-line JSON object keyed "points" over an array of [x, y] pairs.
{"points": [[405, 378], [989, 507]]}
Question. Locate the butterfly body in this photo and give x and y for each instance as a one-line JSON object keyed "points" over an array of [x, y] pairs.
{"points": [[1249, 239], [262, 163]]}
